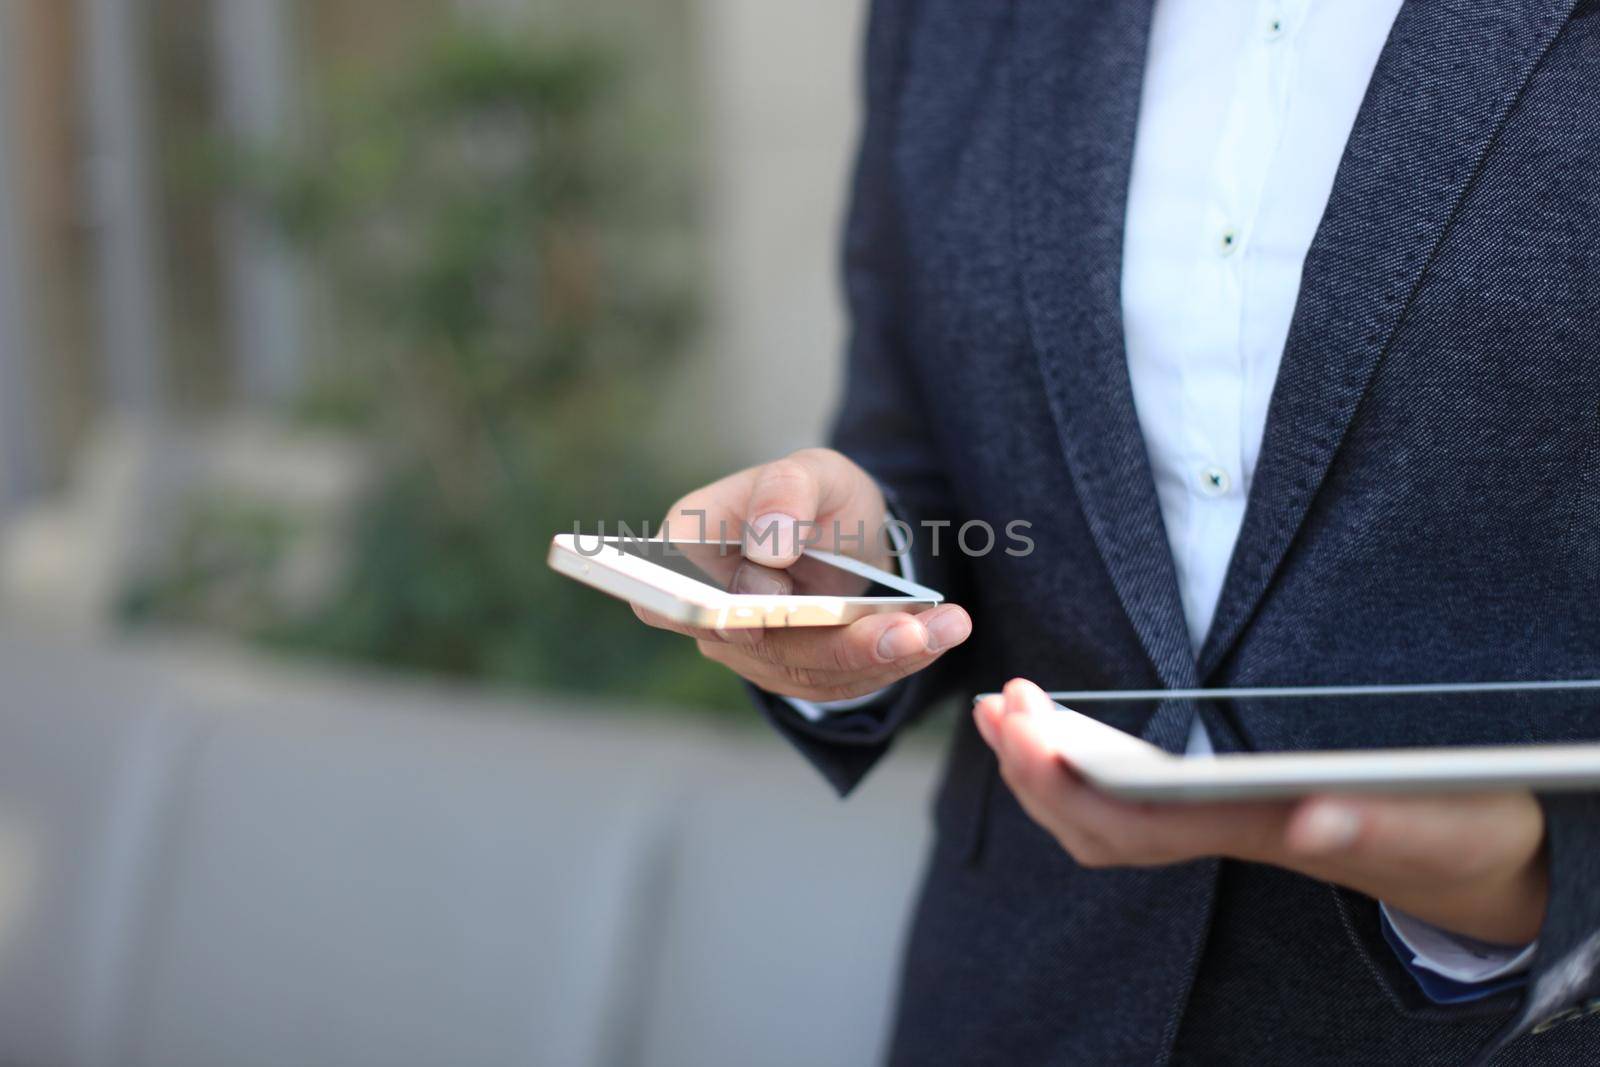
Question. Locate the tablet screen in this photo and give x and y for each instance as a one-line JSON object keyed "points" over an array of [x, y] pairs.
{"points": [[724, 567]]}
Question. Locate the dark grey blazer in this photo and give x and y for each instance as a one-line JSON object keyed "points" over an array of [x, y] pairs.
{"points": [[1427, 508]]}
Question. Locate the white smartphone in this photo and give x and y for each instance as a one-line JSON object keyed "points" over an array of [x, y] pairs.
{"points": [[710, 584], [1131, 768]]}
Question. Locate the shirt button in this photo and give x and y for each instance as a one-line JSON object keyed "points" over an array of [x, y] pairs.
{"points": [[1228, 241], [1275, 27], [1214, 481]]}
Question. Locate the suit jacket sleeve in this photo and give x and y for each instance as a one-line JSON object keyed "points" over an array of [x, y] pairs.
{"points": [[1564, 983], [881, 423]]}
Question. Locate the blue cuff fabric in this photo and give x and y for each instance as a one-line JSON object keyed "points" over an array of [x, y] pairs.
{"points": [[1438, 988]]}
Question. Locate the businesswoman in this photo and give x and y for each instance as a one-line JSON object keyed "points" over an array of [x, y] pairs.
{"points": [[1276, 321]]}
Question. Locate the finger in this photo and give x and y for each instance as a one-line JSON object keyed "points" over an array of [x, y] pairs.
{"points": [[1043, 786], [1169, 833], [755, 579], [742, 635], [1019, 740], [1127, 832], [986, 714], [713, 513], [1470, 863], [1097, 829], [868, 654], [1459, 836], [1145, 833], [662, 622], [1025, 756], [705, 527], [1323, 826], [801, 682], [868, 643], [787, 496], [733, 635]]}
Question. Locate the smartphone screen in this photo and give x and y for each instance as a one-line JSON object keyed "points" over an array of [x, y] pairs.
{"points": [[724, 567]]}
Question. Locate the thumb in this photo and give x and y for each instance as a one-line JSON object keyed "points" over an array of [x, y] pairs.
{"points": [[782, 512]]}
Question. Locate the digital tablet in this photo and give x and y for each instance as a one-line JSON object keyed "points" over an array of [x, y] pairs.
{"points": [[1127, 767], [710, 584]]}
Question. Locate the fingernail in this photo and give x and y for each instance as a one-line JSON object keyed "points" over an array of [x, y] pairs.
{"points": [[773, 536], [1329, 827], [947, 629], [903, 639]]}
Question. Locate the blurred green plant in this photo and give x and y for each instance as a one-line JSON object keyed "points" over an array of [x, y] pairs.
{"points": [[511, 277]]}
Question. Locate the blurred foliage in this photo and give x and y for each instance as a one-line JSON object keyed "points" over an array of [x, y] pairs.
{"points": [[223, 557], [511, 275]]}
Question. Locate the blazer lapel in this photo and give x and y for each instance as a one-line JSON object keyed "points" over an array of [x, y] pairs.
{"points": [[1079, 72], [1444, 85]]}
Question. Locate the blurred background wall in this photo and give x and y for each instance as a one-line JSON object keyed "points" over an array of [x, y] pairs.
{"points": [[178, 297], [146, 292], [317, 319]]}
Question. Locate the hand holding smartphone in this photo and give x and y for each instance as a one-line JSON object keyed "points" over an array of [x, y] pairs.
{"points": [[843, 626], [713, 585]]}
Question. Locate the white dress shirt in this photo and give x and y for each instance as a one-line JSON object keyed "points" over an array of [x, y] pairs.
{"points": [[1246, 109]]}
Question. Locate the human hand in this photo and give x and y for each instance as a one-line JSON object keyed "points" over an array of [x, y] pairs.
{"points": [[779, 509], [1469, 863]]}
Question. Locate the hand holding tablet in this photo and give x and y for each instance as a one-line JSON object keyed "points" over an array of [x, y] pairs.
{"points": [[1125, 766], [1467, 861]]}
